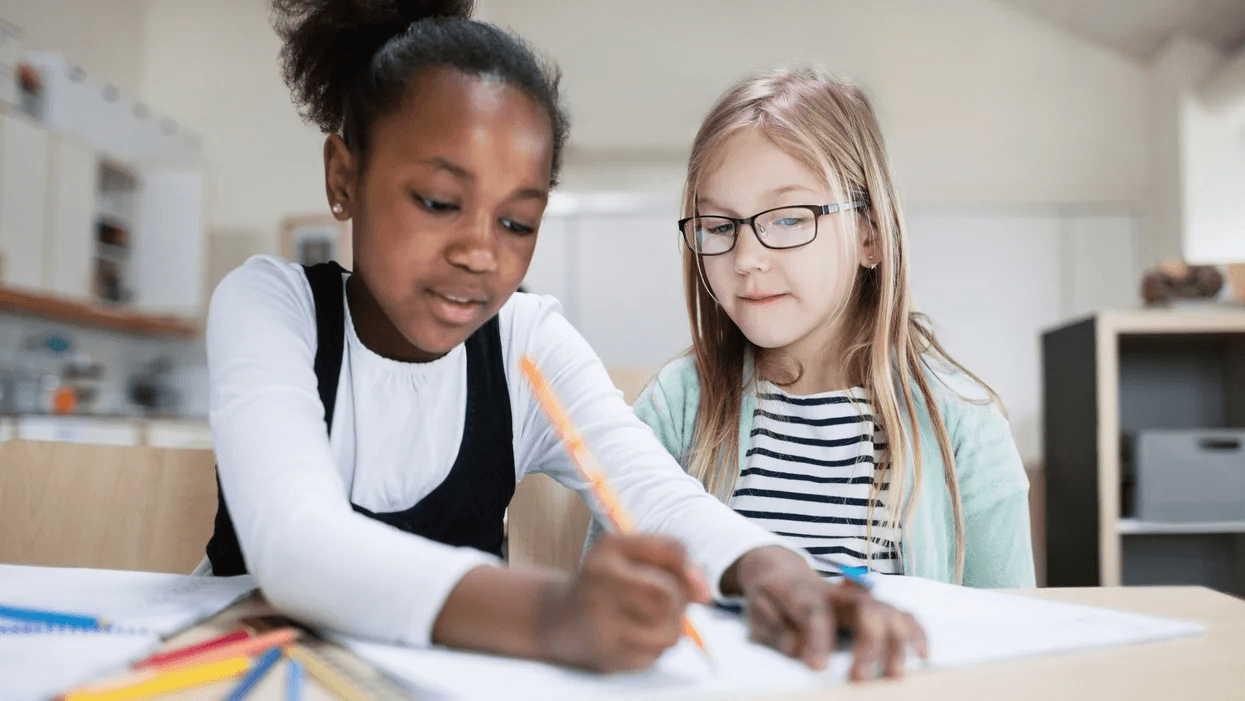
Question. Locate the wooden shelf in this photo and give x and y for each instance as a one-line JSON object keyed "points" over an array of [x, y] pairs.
{"points": [[1132, 526], [1226, 317], [97, 315], [1129, 371]]}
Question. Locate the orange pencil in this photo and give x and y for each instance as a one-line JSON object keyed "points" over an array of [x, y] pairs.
{"points": [[595, 476]]}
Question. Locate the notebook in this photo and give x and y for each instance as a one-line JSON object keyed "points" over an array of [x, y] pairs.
{"points": [[38, 660], [964, 626]]}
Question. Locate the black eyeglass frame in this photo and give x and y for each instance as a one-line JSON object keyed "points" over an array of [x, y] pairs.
{"points": [[817, 210]]}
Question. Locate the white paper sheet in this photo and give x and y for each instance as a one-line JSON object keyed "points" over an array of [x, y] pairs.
{"points": [[739, 666], [967, 626], [161, 603], [37, 662], [36, 667], [964, 626]]}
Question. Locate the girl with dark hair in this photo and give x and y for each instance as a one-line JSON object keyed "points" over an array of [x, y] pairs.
{"points": [[370, 426]]}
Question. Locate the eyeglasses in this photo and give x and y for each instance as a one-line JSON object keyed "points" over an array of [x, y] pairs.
{"points": [[779, 228]]}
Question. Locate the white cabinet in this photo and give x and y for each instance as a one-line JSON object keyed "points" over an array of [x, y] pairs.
{"points": [[1103, 263], [990, 283], [102, 201], [631, 307], [167, 268], [548, 274], [71, 219], [51, 206], [615, 263], [119, 124], [23, 195]]}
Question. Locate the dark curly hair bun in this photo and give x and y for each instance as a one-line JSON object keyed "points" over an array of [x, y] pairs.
{"points": [[347, 62]]}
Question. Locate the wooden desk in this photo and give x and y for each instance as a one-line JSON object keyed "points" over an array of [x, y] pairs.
{"points": [[1207, 668]]}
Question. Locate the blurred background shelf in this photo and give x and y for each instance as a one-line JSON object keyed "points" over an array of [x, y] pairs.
{"points": [[1110, 380], [96, 315], [1132, 526]]}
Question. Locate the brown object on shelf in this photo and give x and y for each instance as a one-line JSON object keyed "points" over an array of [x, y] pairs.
{"points": [[123, 320], [1174, 280]]}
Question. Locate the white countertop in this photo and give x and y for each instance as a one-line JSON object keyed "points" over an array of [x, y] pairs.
{"points": [[190, 434]]}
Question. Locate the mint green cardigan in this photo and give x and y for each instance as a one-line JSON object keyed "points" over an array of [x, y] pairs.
{"points": [[993, 487]]}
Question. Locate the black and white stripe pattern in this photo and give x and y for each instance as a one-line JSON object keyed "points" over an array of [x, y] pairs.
{"points": [[809, 476]]}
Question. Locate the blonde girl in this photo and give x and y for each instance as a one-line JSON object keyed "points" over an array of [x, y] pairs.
{"points": [[815, 400]]}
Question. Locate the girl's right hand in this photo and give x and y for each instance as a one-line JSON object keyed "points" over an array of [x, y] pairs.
{"points": [[623, 608]]}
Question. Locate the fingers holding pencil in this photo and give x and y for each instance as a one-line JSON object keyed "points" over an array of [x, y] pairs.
{"points": [[592, 472], [623, 609]]}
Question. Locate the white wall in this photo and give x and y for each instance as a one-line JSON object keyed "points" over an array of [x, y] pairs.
{"points": [[980, 103], [104, 37]]}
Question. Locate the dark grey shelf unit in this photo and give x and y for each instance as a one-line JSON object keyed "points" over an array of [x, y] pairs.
{"points": [[1106, 377]]}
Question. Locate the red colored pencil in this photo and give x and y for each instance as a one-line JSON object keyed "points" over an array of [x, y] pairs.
{"points": [[164, 658], [249, 646]]}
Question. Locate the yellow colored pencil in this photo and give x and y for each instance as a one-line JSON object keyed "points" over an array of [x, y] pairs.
{"points": [[149, 684], [325, 675], [592, 472]]}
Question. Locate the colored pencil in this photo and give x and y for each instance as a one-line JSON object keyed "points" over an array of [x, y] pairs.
{"points": [[294, 681], [250, 646], [252, 677], [325, 674], [51, 618], [165, 658], [150, 685], [592, 472], [856, 575]]}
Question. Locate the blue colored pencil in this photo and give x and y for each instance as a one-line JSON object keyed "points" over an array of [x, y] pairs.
{"points": [[51, 618], [257, 672], [294, 681], [856, 575]]}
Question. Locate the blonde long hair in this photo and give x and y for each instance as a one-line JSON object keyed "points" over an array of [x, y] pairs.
{"points": [[830, 127]]}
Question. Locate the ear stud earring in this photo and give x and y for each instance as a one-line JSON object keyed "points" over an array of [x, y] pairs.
{"points": [[337, 208]]}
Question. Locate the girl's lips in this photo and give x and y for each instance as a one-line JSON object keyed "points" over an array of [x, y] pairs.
{"points": [[761, 300], [454, 309]]}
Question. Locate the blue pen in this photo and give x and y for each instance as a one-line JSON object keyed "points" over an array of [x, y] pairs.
{"points": [[252, 677], [50, 617], [294, 681]]}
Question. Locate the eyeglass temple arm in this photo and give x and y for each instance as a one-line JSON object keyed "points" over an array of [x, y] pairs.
{"points": [[839, 206]]}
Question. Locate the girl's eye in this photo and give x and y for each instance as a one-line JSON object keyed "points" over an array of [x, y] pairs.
{"points": [[434, 206], [790, 222], [517, 228]]}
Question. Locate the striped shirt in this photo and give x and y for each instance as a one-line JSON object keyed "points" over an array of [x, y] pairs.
{"points": [[809, 475]]}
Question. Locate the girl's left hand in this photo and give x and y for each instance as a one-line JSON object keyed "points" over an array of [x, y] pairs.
{"points": [[793, 610]]}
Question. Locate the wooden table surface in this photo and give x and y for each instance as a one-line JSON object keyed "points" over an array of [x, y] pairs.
{"points": [[1206, 668]]}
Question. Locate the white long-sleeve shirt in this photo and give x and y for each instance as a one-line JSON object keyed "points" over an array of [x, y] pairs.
{"points": [[396, 433]]}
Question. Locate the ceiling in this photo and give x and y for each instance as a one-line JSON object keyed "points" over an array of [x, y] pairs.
{"points": [[1140, 28]]}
